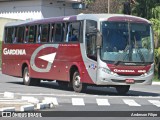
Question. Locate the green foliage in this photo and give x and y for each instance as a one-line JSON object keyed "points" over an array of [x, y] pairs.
{"points": [[88, 1], [146, 8], [156, 12], [156, 28]]}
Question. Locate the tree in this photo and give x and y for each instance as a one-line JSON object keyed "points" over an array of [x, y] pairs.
{"points": [[144, 8], [101, 6]]}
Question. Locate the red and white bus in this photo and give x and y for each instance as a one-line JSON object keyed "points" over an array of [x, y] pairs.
{"points": [[87, 49]]}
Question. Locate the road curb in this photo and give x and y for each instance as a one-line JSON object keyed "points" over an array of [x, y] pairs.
{"points": [[9, 95], [25, 108], [7, 109], [43, 105]]}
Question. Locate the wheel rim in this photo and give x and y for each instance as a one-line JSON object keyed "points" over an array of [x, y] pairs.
{"points": [[26, 77], [77, 82]]}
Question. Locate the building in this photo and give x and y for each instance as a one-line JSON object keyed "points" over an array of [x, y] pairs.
{"points": [[3, 21], [13, 10], [36, 9]]}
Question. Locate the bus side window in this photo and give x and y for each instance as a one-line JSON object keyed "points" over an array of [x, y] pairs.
{"points": [[45, 33], [32, 34], [59, 33], [52, 32], [15, 35], [73, 32], [9, 34], [20, 34], [26, 34], [91, 40]]}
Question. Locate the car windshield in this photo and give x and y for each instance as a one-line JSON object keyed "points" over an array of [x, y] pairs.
{"points": [[126, 42]]}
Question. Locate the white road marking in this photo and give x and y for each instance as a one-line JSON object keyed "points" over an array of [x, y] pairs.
{"points": [[78, 101], [103, 102], [11, 100], [50, 100], [30, 99], [130, 102], [155, 102], [83, 95]]}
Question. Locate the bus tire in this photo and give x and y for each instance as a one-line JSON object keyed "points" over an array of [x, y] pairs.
{"points": [[27, 80], [78, 86], [122, 89]]}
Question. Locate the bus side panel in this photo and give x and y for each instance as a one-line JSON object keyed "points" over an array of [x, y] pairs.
{"points": [[66, 56], [12, 61]]}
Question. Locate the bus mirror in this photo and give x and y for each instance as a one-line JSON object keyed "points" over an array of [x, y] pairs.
{"points": [[99, 39]]}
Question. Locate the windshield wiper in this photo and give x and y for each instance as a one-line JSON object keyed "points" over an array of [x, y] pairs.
{"points": [[117, 62]]}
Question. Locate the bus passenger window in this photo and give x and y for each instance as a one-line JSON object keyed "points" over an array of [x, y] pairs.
{"points": [[52, 33], [20, 36], [15, 35], [73, 32], [59, 33], [32, 34], [45, 33], [9, 35], [26, 34]]}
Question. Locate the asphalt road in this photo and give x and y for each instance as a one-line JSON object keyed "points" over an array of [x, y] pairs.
{"points": [[139, 98]]}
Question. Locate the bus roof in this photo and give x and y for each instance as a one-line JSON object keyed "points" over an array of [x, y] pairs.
{"points": [[97, 17]]}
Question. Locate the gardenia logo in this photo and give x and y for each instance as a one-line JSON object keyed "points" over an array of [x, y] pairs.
{"points": [[130, 71], [14, 51]]}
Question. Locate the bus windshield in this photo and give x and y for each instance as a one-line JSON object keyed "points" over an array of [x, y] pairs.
{"points": [[126, 42]]}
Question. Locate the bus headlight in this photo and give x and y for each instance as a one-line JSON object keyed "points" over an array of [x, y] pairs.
{"points": [[106, 70], [151, 70]]}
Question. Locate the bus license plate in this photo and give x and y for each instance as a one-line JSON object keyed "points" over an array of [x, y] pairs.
{"points": [[130, 81]]}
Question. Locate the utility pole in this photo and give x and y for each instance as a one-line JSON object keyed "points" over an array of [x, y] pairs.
{"points": [[108, 6]]}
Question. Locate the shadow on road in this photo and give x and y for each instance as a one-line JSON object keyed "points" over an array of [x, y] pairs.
{"points": [[103, 91]]}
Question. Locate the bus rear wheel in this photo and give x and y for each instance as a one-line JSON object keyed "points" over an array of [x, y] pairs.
{"points": [[27, 80], [78, 86], [122, 89]]}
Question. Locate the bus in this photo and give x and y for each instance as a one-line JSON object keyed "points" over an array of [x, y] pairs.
{"points": [[106, 50]]}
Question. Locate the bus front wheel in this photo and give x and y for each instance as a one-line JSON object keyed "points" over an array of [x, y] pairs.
{"points": [[122, 89], [78, 86], [27, 80]]}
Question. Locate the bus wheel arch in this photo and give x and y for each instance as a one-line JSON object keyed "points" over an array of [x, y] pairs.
{"points": [[23, 67], [27, 80], [75, 80]]}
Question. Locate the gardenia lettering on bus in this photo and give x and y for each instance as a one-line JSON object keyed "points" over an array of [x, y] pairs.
{"points": [[131, 71], [14, 51]]}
